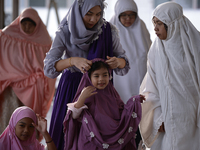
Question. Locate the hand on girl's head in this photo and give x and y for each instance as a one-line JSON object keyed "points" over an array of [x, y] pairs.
{"points": [[112, 62], [82, 64], [42, 124]]}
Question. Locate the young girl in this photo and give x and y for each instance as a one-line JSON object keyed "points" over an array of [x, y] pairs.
{"points": [[20, 133], [98, 118], [170, 115]]}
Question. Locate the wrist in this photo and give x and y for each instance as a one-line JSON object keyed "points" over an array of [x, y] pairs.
{"points": [[122, 63]]}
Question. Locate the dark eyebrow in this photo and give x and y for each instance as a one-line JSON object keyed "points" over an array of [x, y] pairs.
{"points": [[92, 12], [22, 122]]}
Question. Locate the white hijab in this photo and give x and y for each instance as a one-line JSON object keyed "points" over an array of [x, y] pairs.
{"points": [[135, 40], [182, 39]]}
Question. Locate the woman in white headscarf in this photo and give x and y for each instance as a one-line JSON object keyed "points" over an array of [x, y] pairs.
{"points": [[170, 115], [135, 40]]}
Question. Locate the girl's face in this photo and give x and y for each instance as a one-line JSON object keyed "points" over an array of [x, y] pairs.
{"points": [[24, 129], [159, 28], [92, 17], [28, 27], [127, 18], [100, 78]]}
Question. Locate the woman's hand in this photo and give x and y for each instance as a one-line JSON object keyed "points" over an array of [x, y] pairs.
{"points": [[115, 62], [162, 128], [42, 124], [81, 63], [142, 98]]}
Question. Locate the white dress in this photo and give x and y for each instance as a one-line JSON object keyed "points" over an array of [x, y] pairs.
{"points": [[171, 85], [136, 41]]}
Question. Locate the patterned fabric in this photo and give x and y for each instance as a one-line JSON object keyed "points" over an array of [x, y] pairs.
{"points": [[107, 123]]}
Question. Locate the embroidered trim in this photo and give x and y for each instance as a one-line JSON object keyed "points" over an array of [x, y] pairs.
{"points": [[85, 120], [80, 2], [91, 134], [135, 136], [130, 129], [121, 141], [134, 115], [105, 146]]}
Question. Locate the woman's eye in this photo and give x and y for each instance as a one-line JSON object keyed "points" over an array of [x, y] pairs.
{"points": [[99, 14], [89, 14]]}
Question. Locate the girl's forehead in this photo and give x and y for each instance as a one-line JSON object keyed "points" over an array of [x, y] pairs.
{"points": [[25, 120]]}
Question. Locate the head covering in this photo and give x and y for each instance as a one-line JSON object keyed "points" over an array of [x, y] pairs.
{"points": [[8, 139], [136, 41], [40, 34], [85, 81], [74, 25], [21, 59], [173, 73], [106, 123], [183, 38]]}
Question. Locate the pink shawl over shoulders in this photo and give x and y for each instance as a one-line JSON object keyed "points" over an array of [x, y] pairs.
{"points": [[21, 59], [8, 139]]}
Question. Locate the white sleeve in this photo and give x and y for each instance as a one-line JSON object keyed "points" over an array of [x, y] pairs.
{"points": [[75, 111]]}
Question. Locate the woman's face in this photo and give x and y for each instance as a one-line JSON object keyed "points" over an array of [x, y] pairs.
{"points": [[127, 18], [28, 27], [159, 28], [100, 78], [24, 129], [92, 17]]}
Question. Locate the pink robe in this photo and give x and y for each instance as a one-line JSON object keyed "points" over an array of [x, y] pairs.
{"points": [[21, 59]]}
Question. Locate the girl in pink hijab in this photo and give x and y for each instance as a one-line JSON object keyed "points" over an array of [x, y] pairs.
{"points": [[20, 133], [23, 47]]}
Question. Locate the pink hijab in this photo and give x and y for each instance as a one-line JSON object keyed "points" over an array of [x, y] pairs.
{"points": [[8, 139], [21, 59]]}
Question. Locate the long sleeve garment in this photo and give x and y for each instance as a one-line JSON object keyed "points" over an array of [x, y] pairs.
{"points": [[21, 63], [171, 85], [59, 47]]}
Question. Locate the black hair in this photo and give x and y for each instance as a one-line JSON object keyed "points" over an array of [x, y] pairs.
{"points": [[97, 65], [28, 19], [166, 27]]}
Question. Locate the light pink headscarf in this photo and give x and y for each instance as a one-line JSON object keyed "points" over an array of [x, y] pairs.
{"points": [[8, 139], [21, 63]]}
